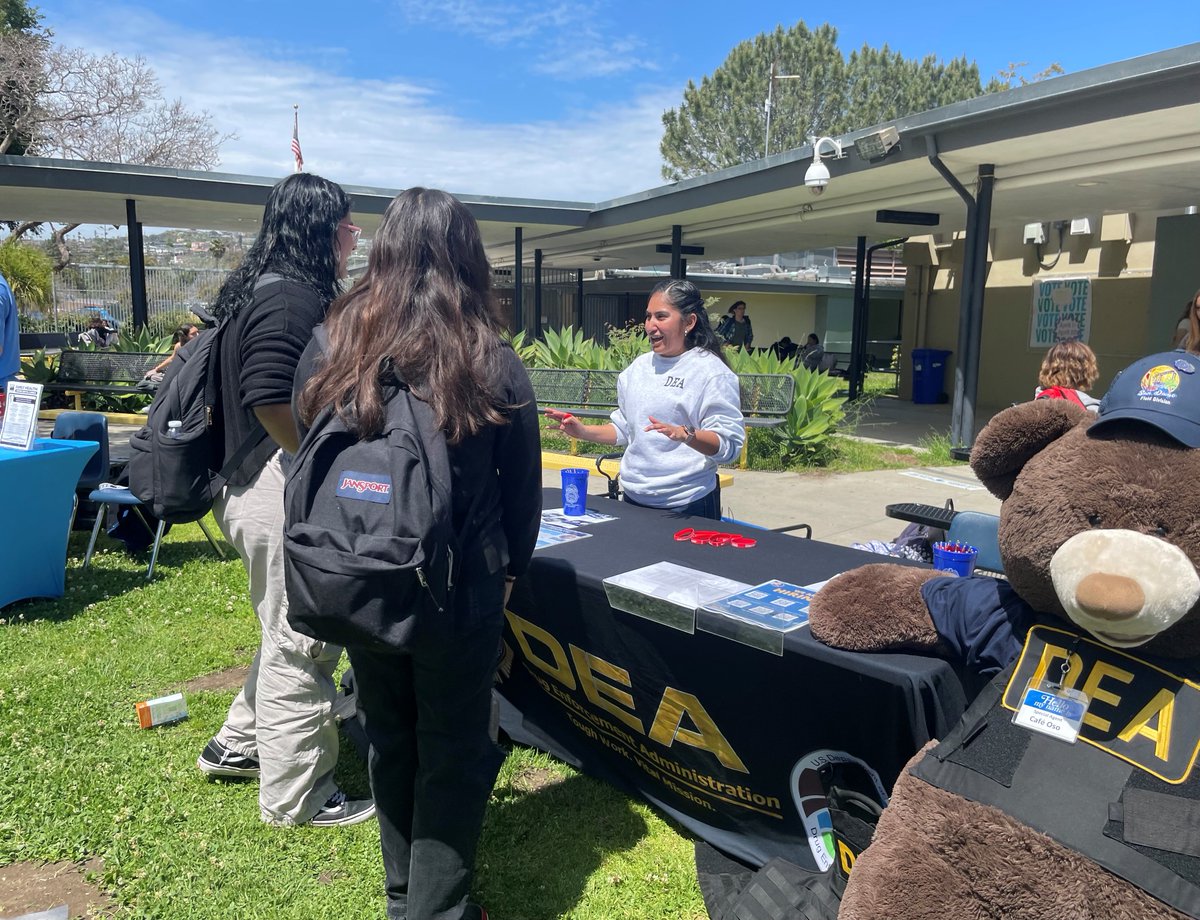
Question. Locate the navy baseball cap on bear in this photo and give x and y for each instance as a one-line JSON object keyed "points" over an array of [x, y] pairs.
{"points": [[1162, 390]]}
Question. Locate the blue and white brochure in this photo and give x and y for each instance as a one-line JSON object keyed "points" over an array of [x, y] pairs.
{"points": [[759, 616]]}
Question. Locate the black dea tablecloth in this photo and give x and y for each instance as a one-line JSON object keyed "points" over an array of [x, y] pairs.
{"points": [[724, 737]]}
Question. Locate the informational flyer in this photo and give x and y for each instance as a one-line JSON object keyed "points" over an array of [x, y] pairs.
{"points": [[759, 616], [558, 518], [22, 401], [550, 535], [1062, 311], [667, 593]]}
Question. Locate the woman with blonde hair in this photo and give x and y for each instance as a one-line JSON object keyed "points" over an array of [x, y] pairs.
{"points": [[1068, 371]]}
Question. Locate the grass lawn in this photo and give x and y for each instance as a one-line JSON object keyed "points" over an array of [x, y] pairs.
{"points": [[82, 783]]}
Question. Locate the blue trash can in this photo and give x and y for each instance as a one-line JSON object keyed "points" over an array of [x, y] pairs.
{"points": [[929, 371]]}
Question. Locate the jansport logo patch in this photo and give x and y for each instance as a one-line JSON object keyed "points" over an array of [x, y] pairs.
{"points": [[369, 487]]}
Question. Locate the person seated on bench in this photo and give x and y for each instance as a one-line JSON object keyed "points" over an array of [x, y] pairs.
{"points": [[181, 337], [1068, 370], [812, 353], [785, 349], [99, 333], [678, 409]]}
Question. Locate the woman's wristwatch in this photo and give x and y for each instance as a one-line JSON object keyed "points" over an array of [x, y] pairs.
{"points": [[690, 431]]}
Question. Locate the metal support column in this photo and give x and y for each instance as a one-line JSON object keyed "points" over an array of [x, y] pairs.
{"points": [[977, 242], [676, 251], [537, 293], [972, 281], [518, 314], [860, 309], [137, 266], [579, 299], [863, 329]]}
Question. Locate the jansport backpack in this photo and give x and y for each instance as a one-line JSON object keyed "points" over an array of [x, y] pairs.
{"points": [[178, 474], [368, 540]]}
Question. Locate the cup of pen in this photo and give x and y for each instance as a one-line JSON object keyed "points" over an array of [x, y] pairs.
{"points": [[955, 557], [574, 491]]}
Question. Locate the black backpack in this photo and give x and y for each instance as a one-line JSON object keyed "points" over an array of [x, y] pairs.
{"points": [[179, 476], [369, 544]]}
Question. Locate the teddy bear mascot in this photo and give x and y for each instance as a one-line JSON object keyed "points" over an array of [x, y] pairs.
{"points": [[1069, 790]]}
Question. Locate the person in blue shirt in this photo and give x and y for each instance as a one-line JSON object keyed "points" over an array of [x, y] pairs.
{"points": [[10, 339]]}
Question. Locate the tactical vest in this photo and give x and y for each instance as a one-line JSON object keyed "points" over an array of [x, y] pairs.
{"points": [[1126, 794]]}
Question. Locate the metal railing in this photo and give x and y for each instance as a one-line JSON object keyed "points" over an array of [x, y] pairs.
{"points": [[83, 291]]}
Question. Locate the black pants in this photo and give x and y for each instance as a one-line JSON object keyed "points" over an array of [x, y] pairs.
{"points": [[706, 506], [431, 761]]}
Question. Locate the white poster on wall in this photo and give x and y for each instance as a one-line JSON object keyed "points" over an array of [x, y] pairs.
{"points": [[1062, 311]]}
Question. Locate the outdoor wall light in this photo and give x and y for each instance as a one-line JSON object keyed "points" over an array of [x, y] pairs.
{"points": [[817, 176], [874, 146]]}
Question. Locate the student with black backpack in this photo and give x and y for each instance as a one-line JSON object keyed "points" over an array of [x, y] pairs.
{"points": [[279, 728], [410, 380]]}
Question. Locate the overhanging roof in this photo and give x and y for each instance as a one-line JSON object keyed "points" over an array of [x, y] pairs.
{"points": [[76, 191], [1123, 137]]}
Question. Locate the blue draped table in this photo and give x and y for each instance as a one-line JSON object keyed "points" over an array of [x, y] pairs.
{"points": [[37, 490]]}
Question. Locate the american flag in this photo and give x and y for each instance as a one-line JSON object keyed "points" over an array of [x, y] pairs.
{"points": [[296, 139]]}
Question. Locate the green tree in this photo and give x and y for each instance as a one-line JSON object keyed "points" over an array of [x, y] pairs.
{"points": [[217, 250], [18, 16], [722, 122], [29, 273]]}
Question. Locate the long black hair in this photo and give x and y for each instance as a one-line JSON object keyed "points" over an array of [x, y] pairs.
{"points": [[296, 240], [686, 298], [425, 308]]}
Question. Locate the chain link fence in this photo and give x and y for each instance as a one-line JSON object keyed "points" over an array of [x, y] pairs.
{"points": [[84, 291]]}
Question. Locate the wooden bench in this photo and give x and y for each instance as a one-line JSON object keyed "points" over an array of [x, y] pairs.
{"points": [[110, 372], [766, 398]]}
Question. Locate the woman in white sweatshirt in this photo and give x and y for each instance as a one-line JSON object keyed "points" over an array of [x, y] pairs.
{"points": [[679, 409]]}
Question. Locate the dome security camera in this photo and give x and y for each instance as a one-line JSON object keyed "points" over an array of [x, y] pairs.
{"points": [[817, 177]]}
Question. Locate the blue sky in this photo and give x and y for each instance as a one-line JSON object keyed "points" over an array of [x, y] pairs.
{"points": [[530, 98]]}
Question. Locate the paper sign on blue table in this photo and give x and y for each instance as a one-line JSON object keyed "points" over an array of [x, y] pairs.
{"points": [[759, 616], [20, 415]]}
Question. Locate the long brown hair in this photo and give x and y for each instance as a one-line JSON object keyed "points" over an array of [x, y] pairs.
{"points": [[425, 310]]}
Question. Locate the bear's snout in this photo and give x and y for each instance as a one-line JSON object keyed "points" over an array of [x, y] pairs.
{"points": [[1122, 586], [1110, 597]]}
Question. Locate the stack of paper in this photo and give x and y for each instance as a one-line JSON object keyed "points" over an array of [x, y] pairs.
{"points": [[667, 593]]}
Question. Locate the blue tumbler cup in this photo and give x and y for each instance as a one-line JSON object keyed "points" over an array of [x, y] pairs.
{"points": [[574, 491], [956, 557]]}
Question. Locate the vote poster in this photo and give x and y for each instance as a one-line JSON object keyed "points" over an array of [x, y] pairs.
{"points": [[1062, 311]]}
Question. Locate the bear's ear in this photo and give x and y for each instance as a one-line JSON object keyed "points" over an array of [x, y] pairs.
{"points": [[1016, 435]]}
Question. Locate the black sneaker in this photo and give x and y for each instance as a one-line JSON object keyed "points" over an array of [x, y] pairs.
{"points": [[340, 811], [218, 760]]}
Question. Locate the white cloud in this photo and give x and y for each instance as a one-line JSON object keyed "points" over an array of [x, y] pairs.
{"points": [[567, 41], [389, 133]]}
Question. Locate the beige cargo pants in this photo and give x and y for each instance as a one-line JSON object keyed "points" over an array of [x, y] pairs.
{"points": [[283, 714]]}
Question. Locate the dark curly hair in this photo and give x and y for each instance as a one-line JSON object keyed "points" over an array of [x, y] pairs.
{"points": [[296, 240]]}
